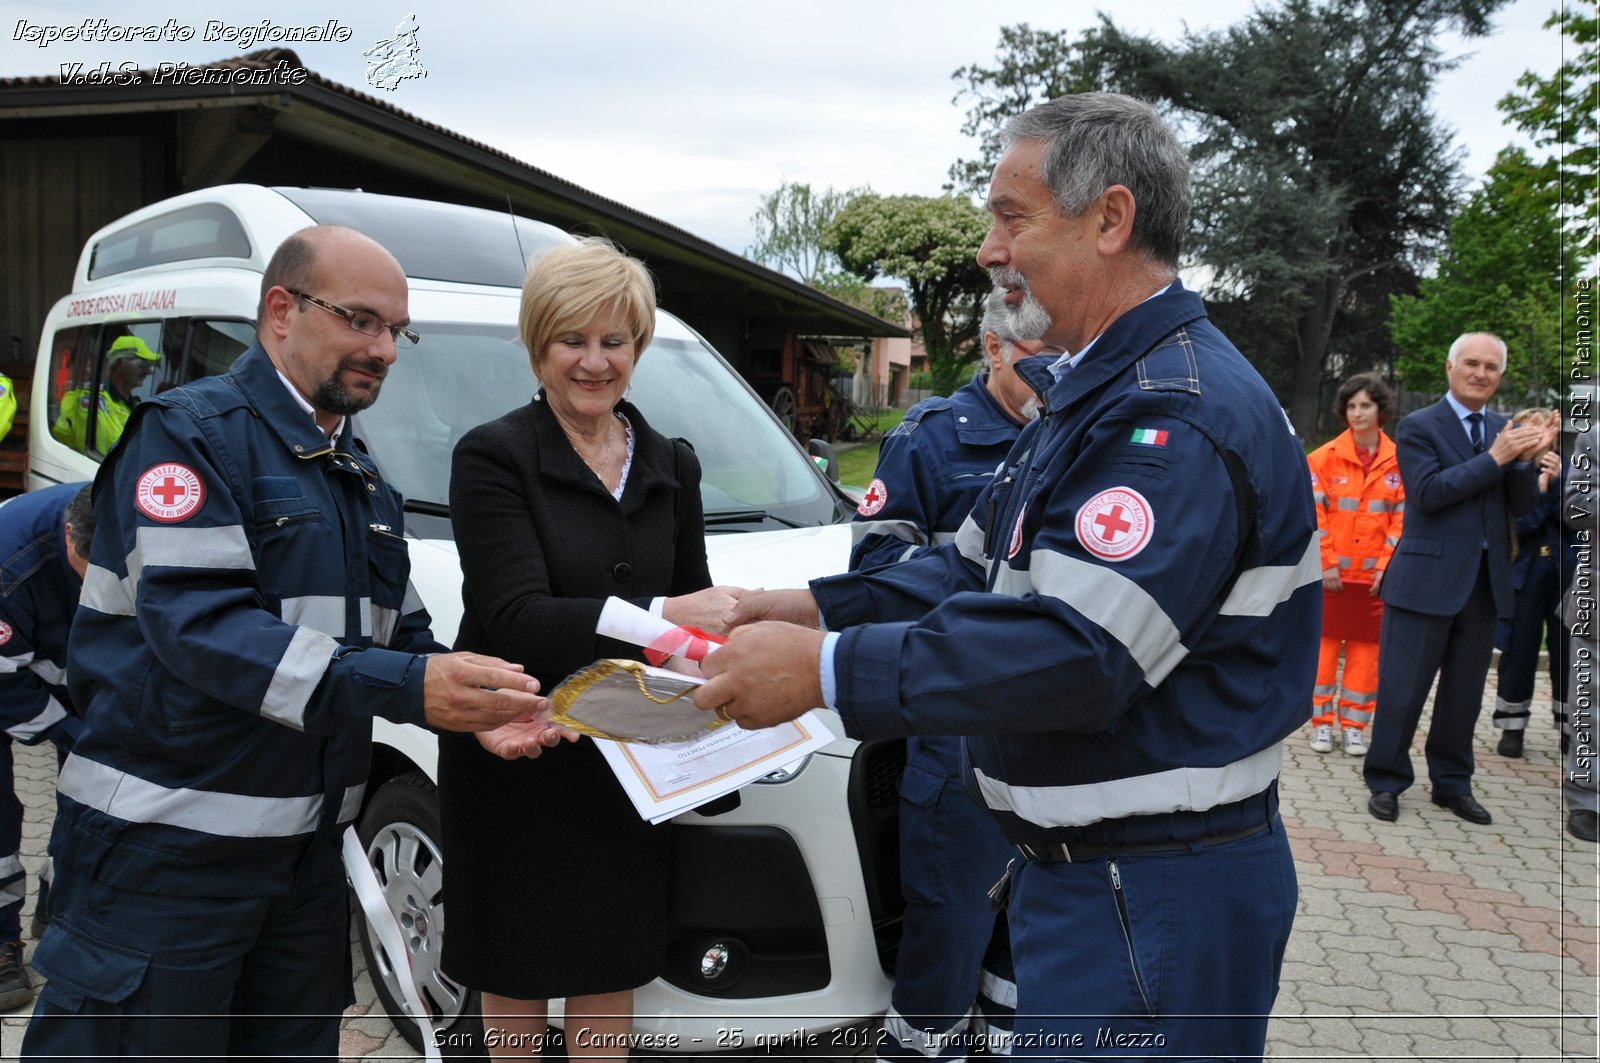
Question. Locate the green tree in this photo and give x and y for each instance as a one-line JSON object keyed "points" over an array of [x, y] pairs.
{"points": [[931, 243], [789, 227], [1322, 178], [1562, 112], [1501, 272]]}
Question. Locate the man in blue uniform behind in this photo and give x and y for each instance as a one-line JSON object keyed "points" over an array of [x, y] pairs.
{"points": [[1125, 627], [246, 612], [44, 548], [930, 470]]}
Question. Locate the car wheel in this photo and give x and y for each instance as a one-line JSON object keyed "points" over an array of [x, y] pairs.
{"points": [[400, 832]]}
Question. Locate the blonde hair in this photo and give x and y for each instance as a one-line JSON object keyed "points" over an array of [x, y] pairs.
{"points": [[566, 287], [1522, 417]]}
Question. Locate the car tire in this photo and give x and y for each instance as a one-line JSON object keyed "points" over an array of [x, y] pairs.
{"points": [[400, 834]]}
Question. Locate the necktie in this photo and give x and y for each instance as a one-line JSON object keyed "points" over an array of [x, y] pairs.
{"points": [[1476, 420]]}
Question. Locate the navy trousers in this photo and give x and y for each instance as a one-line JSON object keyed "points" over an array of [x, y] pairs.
{"points": [[139, 974], [1413, 649], [13, 882], [1152, 955], [951, 852], [1537, 619]]}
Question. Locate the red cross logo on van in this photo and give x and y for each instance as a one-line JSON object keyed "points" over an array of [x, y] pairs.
{"points": [[169, 492]]}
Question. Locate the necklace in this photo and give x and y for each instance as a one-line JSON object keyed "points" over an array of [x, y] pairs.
{"points": [[598, 459]]}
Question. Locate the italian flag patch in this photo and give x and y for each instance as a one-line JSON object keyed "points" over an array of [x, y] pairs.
{"points": [[1150, 437]]}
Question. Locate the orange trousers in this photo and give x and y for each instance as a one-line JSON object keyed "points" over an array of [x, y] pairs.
{"points": [[1358, 692]]}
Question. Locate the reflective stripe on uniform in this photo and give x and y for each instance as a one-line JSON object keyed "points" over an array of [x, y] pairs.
{"points": [[106, 592], [179, 547], [931, 1044], [15, 664], [48, 670], [1350, 504], [381, 623], [127, 797], [904, 530], [1259, 591], [969, 541], [10, 864], [1109, 600], [320, 612], [1379, 505], [299, 670], [1002, 991], [1174, 790], [27, 730], [351, 804]]}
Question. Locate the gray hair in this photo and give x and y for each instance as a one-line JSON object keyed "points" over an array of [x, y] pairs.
{"points": [[80, 514], [1461, 341], [1094, 140], [997, 318]]}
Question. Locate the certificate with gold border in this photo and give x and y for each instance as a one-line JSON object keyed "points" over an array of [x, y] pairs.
{"points": [[663, 779]]}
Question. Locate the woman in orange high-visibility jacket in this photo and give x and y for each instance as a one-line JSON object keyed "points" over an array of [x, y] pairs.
{"points": [[1360, 505]]}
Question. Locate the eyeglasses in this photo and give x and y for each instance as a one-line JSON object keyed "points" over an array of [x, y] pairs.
{"points": [[367, 324]]}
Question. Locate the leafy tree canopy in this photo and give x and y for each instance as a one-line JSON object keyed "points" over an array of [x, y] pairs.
{"points": [[1322, 177], [789, 227], [931, 243], [1562, 112], [1501, 272]]}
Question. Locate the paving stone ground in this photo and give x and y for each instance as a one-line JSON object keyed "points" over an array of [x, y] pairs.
{"points": [[1424, 939]]}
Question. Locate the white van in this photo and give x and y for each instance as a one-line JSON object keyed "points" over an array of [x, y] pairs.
{"points": [[786, 908]]}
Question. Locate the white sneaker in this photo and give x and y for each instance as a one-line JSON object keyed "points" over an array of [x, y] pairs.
{"points": [[1322, 738], [1355, 742]]}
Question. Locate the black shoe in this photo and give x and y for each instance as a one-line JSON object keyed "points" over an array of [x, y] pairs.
{"points": [[1510, 745], [1566, 743], [1584, 825], [1384, 806], [41, 919], [1466, 806], [16, 988]]}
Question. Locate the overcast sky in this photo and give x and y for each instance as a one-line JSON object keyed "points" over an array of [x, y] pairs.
{"points": [[690, 111]]}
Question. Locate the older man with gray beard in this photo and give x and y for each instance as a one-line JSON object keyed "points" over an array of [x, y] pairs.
{"points": [[1125, 627]]}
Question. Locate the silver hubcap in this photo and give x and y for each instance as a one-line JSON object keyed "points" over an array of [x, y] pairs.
{"points": [[409, 868]]}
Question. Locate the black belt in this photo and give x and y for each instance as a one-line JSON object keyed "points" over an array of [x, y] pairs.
{"points": [[1072, 852]]}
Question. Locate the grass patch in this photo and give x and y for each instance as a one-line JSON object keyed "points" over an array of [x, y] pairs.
{"points": [[857, 463]]}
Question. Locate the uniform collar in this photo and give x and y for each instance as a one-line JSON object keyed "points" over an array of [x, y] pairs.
{"points": [[1130, 337], [979, 415], [1344, 445], [284, 412]]}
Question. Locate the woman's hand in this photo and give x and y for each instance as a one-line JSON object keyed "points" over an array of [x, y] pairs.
{"points": [[525, 736], [710, 610]]}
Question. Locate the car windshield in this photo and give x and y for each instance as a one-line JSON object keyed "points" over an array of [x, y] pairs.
{"points": [[754, 475]]}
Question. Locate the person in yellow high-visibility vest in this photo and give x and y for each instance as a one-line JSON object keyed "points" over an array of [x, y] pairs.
{"points": [[8, 405], [129, 362]]}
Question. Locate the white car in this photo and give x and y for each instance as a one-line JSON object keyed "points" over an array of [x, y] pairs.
{"points": [[785, 908]]}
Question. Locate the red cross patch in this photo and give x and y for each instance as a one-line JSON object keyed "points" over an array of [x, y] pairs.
{"points": [[5, 632], [1016, 535], [1116, 524], [876, 498], [1392, 479], [169, 493]]}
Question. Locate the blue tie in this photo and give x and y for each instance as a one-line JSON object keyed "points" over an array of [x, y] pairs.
{"points": [[1476, 420]]}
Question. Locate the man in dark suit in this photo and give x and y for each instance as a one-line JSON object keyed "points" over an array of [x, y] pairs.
{"points": [[1467, 474]]}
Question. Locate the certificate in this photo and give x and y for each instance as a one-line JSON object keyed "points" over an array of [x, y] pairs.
{"points": [[665, 778]]}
